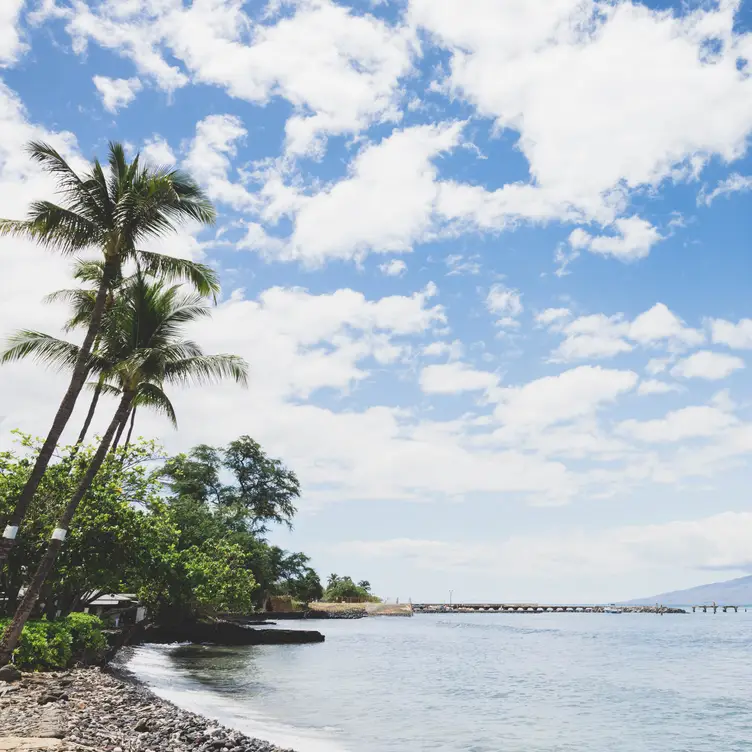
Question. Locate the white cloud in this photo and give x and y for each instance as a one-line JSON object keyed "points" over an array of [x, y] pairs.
{"points": [[737, 336], [654, 386], [552, 316], [117, 93], [209, 162], [157, 151], [680, 425], [601, 336], [11, 44], [505, 303], [393, 268], [658, 365], [553, 399], [573, 565], [339, 70], [385, 205], [634, 239], [735, 183], [454, 378], [592, 127], [707, 365], [459, 265], [660, 324], [453, 350]]}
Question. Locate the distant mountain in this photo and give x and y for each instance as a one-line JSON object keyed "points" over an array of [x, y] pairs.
{"points": [[732, 592]]}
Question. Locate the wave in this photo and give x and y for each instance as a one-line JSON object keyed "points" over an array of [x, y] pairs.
{"points": [[153, 666]]}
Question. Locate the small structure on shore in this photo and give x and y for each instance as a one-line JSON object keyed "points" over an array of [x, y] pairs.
{"points": [[122, 608]]}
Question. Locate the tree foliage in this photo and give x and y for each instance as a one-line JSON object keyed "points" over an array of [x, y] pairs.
{"points": [[168, 529], [345, 590]]}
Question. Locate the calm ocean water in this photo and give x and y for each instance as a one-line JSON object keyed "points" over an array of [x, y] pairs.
{"points": [[480, 683]]}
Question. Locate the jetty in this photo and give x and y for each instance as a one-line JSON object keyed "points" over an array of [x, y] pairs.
{"points": [[537, 608]]}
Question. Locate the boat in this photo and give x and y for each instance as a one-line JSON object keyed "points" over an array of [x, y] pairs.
{"points": [[612, 610]]}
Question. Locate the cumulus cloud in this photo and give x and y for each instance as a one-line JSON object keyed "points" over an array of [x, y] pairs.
{"points": [[601, 336], [655, 386], [680, 425], [11, 44], [554, 399], [393, 268], [339, 70], [117, 93], [736, 336], [157, 151], [587, 122], [633, 240], [506, 304], [707, 365], [454, 378]]}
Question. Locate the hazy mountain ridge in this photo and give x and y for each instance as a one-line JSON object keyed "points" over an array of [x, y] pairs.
{"points": [[731, 592]]}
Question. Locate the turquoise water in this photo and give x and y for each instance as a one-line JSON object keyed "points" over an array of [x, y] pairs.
{"points": [[480, 683]]}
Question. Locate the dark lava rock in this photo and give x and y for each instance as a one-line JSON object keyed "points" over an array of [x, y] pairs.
{"points": [[142, 726], [48, 697], [9, 673], [228, 633]]}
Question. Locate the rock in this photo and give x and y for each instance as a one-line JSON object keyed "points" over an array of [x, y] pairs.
{"points": [[49, 697], [9, 673], [142, 726]]}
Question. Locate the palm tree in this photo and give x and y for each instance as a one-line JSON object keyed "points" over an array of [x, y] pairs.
{"points": [[82, 300], [115, 214], [142, 344]]}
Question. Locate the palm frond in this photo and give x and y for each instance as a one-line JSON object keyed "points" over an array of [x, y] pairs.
{"points": [[207, 369], [152, 396], [169, 268], [77, 190], [53, 226], [49, 351]]}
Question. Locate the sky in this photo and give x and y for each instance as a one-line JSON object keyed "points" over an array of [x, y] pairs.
{"points": [[488, 262]]}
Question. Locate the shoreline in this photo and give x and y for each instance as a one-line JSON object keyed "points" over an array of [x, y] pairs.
{"points": [[110, 710]]}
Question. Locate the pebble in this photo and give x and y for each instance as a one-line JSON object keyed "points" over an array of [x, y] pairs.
{"points": [[98, 710]]}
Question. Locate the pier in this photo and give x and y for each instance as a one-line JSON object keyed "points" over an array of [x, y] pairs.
{"points": [[537, 608]]}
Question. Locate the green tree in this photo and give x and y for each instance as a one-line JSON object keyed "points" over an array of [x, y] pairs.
{"points": [[345, 590], [115, 214], [142, 346]]}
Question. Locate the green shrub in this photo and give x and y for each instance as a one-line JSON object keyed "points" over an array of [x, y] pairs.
{"points": [[86, 632], [46, 645]]}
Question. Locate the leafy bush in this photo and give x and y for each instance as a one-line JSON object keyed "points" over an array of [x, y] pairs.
{"points": [[86, 633], [46, 645]]}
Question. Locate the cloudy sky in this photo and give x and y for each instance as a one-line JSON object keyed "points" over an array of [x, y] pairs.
{"points": [[488, 260]]}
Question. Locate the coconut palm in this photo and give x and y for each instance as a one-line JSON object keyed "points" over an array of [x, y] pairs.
{"points": [[116, 214], [142, 347]]}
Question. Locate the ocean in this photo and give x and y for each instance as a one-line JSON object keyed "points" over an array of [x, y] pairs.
{"points": [[479, 683]]}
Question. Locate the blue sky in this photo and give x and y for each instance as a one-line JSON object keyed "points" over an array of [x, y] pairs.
{"points": [[489, 262]]}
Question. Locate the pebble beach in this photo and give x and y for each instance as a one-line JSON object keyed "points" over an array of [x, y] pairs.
{"points": [[92, 709]]}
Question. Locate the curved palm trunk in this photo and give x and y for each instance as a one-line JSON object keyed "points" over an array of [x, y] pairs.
{"points": [[80, 372], [130, 429], [13, 632], [92, 410]]}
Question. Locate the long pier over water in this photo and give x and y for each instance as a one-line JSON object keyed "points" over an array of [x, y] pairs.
{"points": [[536, 608]]}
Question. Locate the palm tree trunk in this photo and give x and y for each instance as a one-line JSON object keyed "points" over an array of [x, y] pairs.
{"points": [[130, 430], [13, 632], [80, 372], [92, 410], [119, 433]]}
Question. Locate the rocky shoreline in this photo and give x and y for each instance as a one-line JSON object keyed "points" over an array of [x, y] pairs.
{"points": [[102, 711]]}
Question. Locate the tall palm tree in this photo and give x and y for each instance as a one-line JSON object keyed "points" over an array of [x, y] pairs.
{"points": [[114, 213], [142, 343], [82, 301]]}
